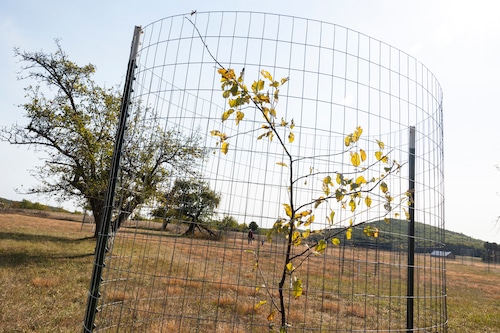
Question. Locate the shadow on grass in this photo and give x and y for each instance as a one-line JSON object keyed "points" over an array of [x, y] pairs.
{"points": [[12, 257], [23, 237]]}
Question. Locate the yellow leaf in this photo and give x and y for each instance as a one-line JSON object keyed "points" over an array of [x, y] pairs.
{"points": [[332, 215], [289, 267], [360, 180], [321, 246], [257, 86], [292, 124], [309, 220], [291, 137], [226, 114], [327, 180], [363, 155], [368, 201], [380, 156], [357, 134], [283, 122], [336, 241], [271, 315], [306, 234], [239, 116], [339, 178], [296, 237], [215, 133], [284, 80], [407, 215], [371, 231], [381, 145], [297, 287], [355, 160], [352, 204], [348, 140], [282, 164], [318, 202], [266, 75], [224, 147], [288, 210], [348, 233], [258, 305], [303, 214]]}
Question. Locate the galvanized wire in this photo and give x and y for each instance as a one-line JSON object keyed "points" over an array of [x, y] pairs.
{"points": [[164, 281]]}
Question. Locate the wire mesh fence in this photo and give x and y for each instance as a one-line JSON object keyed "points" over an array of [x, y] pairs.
{"points": [[321, 178]]}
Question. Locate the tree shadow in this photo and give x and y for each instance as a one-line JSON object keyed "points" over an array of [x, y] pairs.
{"points": [[16, 257]]}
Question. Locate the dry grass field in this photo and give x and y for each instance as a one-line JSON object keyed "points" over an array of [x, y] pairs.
{"points": [[45, 267]]}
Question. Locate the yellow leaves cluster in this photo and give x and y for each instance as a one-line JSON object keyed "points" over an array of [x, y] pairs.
{"points": [[353, 137], [371, 231], [238, 95]]}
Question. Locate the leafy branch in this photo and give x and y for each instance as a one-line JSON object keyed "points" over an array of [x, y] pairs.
{"points": [[350, 190]]}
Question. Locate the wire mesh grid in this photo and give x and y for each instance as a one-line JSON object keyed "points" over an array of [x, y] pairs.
{"points": [[184, 262]]}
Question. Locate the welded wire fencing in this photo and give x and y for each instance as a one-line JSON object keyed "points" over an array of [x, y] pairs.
{"points": [[298, 130]]}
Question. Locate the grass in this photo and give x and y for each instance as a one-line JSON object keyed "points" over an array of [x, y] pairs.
{"points": [[45, 268]]}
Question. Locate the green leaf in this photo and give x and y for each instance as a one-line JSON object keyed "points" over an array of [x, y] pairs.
{"points": [[383, 187]]}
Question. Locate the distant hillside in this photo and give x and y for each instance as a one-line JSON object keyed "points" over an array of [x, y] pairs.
{"points": [[393, 235], [26, 204]]}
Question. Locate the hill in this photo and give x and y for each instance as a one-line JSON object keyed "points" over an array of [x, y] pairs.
{"points": [[393, 235]]}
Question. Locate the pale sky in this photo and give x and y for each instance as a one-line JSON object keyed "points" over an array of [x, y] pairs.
{"points": [[457, 40]]}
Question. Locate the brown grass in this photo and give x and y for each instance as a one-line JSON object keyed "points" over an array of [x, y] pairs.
{"points": [[178, 284]]}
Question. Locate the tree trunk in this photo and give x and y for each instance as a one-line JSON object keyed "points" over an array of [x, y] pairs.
{"points": [[98, 211]]}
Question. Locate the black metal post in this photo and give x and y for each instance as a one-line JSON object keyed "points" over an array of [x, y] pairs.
{"points": [[411, 235], [103, 235]]}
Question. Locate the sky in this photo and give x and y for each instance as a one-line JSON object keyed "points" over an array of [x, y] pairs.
{"points": [[457, 40]]}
